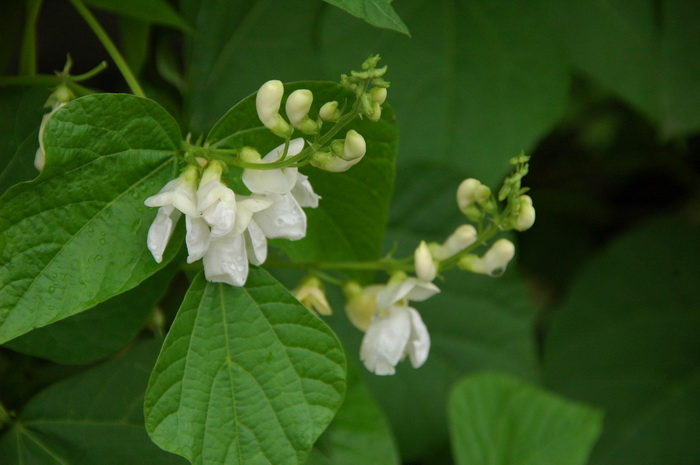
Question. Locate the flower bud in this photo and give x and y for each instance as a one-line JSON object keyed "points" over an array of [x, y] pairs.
{"points": [[40, 156], [311, 294], [526, 217], [423, 262], [460, 239], [378, 94], [249, 155], [355, 146], [376, 113], [466, 193], [361, 303], [297, 107], [329, 111], [329, 162], [267, 103], [494, 262]]}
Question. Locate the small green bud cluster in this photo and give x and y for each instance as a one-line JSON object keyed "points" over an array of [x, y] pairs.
{"points": [[369, 87]]}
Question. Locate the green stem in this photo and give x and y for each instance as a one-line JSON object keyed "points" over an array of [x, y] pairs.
{"points": [[380, 265], [5, 417], [27, 61], [93, 72], [110, 47]]}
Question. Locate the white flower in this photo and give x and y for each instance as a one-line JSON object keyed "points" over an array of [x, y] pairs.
{"points": [[395, 332], [396, 329], [176, 197], [288, 191]]}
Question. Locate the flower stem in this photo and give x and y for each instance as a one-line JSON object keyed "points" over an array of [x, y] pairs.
{"points": [[110, 47], [27, 61]]}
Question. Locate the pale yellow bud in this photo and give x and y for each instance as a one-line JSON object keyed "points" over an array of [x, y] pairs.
{"points": [[494, 262], [460, 239], [311, 294], [329, 111], [297, 107], [329, 162], [423, 262], [355, 146], [268, 101], [466, 193], [378, 94], [526, 217]]}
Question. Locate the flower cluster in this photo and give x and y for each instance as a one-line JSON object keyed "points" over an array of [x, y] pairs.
{"points": [[393, 329], [227, 230]]}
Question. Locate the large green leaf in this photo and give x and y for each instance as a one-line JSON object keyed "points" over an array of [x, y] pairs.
{"points": [[350, 221], [359, 433], [378, 13], [659, 43], [237, 46], [92, 418], [150, 11], [23, 108], [76, 235], [626, 339], [96, 333], [246, 375], [496, 419], [471, 93]]}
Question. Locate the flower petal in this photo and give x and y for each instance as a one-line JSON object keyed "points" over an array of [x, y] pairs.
{"points": [[419, 342], [304, 193], [385, 341], [255, 244], [247, 206], [226, 261], [197, 239], [160, 231], [279, 181], [283, 219]]}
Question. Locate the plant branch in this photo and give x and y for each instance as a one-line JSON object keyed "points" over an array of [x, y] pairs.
{"points": [[27, 60]]}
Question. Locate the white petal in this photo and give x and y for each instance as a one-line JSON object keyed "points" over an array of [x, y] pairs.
{"points": [[177, 193], [385, 341], [279, 181], [419, 342], [226, 262], [221, 217], [284, 218], [160, 231], [246, 208], [212, 193], [197, 238], [255, 244], [410, 288], [422, 290], [304, 193]]}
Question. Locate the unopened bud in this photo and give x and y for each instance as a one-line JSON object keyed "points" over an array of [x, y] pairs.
{"points": [[526, 217], [267, 103], [329, 162], [355, 146], [249, 155], [460, 239], [40, 155], [494, 262], [466, 193], [378, 94], [297, 107], [329, 111], [423, 262], [311, 294], [212, 172], [376, 113]]}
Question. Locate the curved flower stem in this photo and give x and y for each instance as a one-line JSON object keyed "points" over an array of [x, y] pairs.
{"points": [[44, 80], [27, 59], [110, 47], [93, 72]]}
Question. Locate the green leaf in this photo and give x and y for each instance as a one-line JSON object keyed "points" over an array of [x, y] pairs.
{"points": [[350, 220], [76, 235], [680, 67], [237, 46], [378, 13], [101, 331], [246, 375], [496, 419], [471, 93], [92, 418], [626, 339], [150, 11], [23, 108], [359, 433]]}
